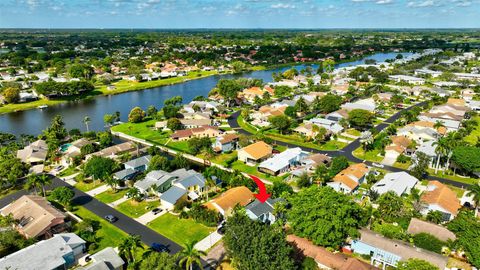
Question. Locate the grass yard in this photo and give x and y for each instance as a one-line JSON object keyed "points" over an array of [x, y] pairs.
{"points": [[181, 146], [449, 175], [238, 165], [370, 155], [178, 230], [68, 171], [221, 158], [110, 195], [246, 126], [144, 130], [108, 235], [135, 209], [404, 166], [86, 186], [353, 132], [474, 136], [298, 140]]}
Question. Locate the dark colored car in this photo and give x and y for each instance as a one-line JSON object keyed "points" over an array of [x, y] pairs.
{"points": [[157, 211], [222, 227], [160, 248], [111, 218]]}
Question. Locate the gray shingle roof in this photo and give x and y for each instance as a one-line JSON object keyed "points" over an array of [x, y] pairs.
{"points": [[138, 162], [173, 194]]}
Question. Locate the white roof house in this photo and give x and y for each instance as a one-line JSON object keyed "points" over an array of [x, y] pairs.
{"points": [[407, 79], [398, 182], [330, 125], [283, 161], [364, 104]]}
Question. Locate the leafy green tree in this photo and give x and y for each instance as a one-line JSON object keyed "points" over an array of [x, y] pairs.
{"points": [[278, 188], [63, 195], [196, 145], [328, 103], [55, 133], [304, 180], [301, 105], [415, 264], [11, 94], [338, 164], [100, 167], [128, 247], [467, 158], [253, 245], [290, 111], [429, 242], [38, 181], [280, 122], [360, 118], [390, 206], [467, 229], [159, 261], [435, 216], [11, 169], [136, 115], [135, 194], [151, 111], [174, 124], [419, 170], [159, 162], [105, 139], [311, 216], [109, 119]]}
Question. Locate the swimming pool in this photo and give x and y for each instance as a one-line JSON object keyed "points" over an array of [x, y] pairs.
{"points": [[64, 147]]}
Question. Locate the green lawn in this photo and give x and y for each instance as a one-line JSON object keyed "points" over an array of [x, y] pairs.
{"points": [[370, 155], [178, 230], [238, 165], [144, 130], [181, 146], [404, 166], [449, 175], [353, 132], [108, 235], [135, 209], [221, 158], [86, 186], [110, 195], [68, 171], [246, 126], [298, 140]]}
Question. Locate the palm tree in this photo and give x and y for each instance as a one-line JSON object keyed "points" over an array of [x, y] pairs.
{"points": [[191, 256], [209, 183], [112, 182], [438, 124], [44, 181], [86, 120], [440, 150], [474, 191], [135, 194], [38, 181], [129, 247]]}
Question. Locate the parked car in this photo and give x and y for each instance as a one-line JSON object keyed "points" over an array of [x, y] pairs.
{"points": [[222, 227], [160, 248], [111, 218], [157, 211], [378, 165]]}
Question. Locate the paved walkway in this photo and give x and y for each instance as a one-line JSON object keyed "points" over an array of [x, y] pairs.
{"points": [[98, 190], [209, 241], [215, 256], [149, 217], [117, 202]]}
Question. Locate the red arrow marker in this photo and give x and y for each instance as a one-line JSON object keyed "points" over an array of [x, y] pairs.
{"points": [[262, 196]]}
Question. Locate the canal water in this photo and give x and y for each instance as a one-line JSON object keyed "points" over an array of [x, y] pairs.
{"points": [[73, 113]]}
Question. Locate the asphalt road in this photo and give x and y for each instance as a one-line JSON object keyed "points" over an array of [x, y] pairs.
{"points": [[124, 222], [347, 151]]}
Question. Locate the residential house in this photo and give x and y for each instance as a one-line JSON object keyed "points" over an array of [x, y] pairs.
{"points": [[331, 125], [398, 146], [263, 212], [326, 259], [34, 153], [439, 197], [417, 226], [384, 97], [59, 252], [337, 115], [349, 179], [457, 102], [454, 109], [105, 259], [249, 94], [225, 203], [307, 130], [468, 94], [200, 132], [255, 152], [74, 150], [363, 104], [282, 162], [159, 180], [389, 252], [432, 73], [428, 148], [197, 115], [36, 217], [202, 106], [133, 167], [116, 151], [398, 182], [260, 117], [195, 123], [440, 92], [225, 143], [408, 79], [421, 131], [449, 120]]}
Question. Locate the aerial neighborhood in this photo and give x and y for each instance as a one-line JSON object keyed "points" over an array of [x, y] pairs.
{"points": [[366, 157]]}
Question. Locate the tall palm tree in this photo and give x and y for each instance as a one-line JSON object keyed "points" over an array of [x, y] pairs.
{"points": [[474, 191], [112, 182], [191, 256], [38, 181], [129, 247], [86, 121], [440, 150], [44, 181]]}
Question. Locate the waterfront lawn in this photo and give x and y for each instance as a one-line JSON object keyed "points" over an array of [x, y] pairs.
{"points": [[7, 108], [126, 86], [299, 140], [135, 209], [181, 146], [88, 185], [110, 195], [181, 231], [144, 130], [373, 155], [222, 158], [108, 235]]}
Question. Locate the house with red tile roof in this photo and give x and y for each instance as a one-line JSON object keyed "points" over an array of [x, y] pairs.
{"points": [[439, 197], [349, 179]]}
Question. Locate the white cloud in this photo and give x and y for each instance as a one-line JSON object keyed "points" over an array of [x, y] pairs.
{"points": [[426, 3], [282, 6]]}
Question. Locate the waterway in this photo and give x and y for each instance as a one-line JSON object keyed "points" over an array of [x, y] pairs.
{"points": [[73, 113]]}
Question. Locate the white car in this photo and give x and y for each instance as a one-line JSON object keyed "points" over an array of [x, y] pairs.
{"points": [[378, 165]]}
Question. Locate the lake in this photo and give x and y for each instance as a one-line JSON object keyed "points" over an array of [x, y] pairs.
{"points": [[73, 113]]}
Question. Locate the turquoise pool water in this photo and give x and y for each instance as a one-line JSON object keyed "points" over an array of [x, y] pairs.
{"points": [[64, 147]]}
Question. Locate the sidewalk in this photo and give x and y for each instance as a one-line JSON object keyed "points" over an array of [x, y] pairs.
{"points": [[209, 241], [98, 190], [117, 202], [215, 256]]}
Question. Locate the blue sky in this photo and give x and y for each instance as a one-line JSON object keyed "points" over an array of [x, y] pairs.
{"points": [[239, 13]]}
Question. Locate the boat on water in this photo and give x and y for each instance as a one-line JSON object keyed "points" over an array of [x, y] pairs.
{"points": [[42, 107]]}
